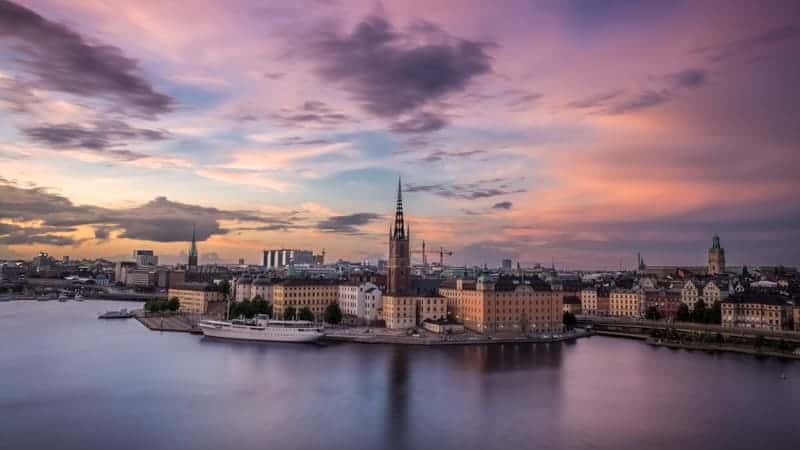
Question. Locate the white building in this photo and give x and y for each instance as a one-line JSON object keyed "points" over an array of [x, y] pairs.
{"points": [[248, 288], [364, 301], [274, 259], [145, 258]]}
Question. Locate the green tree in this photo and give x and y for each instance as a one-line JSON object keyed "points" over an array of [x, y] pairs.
{"points": [[173, 304], [569, 320], [714, 314], [699, 313], [333, 314], [305, 314], [225, 287], [652, 313], [682, 315], [289, 313]]}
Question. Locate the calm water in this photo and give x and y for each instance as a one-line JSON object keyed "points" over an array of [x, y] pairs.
{"points": [[69, 381]]}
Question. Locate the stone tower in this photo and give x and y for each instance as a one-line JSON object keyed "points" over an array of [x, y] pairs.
{"points": [[716, 258], [193, 250], [399, 261]]}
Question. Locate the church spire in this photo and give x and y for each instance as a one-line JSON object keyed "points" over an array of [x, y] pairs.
{"points": [[193, 249], [399, 226]]}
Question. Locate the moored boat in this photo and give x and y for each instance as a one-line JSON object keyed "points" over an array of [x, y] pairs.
{"points": [[262, 329], [121, 314]]}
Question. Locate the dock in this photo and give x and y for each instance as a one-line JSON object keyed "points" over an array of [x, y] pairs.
{"points": [[178, 323]]}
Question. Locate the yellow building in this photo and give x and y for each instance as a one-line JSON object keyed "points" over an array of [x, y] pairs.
{"points": [[407, 311], [315, 295], [589, 301], [761, 311], [625, 303], [504, 306], [196, 298]]}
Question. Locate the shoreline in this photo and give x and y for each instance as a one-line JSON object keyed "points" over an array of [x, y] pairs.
{"points": [[710, 348]]}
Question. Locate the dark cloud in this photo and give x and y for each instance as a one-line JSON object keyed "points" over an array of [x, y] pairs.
{"points": [[11, 234], [596, 101], [298, 141], [468, 191], [441, 155], [643, 100], [502, 205], [421, 122], [274, 75], [101, 135], [392, 72], [769, 37], [60, 59], [160, 220], [348, 224], [689, 78], [311, 113]]}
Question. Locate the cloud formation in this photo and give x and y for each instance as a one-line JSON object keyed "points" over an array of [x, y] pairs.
{"points": [[391, 72], [347, 224], [60, 59], [101, 135], [160, 220], [466, 191]]}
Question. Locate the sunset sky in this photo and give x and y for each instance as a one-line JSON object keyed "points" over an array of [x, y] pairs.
{"points": [[578, 132]]}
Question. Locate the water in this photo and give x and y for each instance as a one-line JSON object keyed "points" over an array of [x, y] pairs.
{"points": [[69, 381]]}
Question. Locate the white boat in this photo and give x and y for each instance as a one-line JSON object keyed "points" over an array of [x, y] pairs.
{"points": [[262, 329]]}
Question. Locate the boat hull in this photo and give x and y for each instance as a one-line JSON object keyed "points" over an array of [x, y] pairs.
{"points": [[266, 335]]}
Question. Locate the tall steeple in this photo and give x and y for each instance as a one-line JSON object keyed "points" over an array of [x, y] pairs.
{"points": [[397, 280], [193, 249], [399, 231]]}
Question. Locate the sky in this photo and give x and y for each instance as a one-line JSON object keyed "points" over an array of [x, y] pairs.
{"points": [[569, 132]]}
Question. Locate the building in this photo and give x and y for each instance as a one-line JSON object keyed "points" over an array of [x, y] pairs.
{"points": [[713, 293], [506, 265], [248, 288], [665, 301], [716, 258], [145, 258], [761, 310], [399, 260], [691, 293], [192, 260], [625, 303], [589, 301], [143, 277], [796, 317], [572, 304], [167, 278], [364, 301], [199, 298], [506, 305], [276, 259], [315, 295], [121, 269]]}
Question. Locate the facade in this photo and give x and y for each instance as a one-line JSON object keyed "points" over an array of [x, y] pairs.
{"points": [[713, 293], [504, 306], [170, 278], [796, 311], [666, 301], [192, 260], [399, 311], [248, 288], [197, 298], [315, 295], [279, 258], [759, 310], [141, 278], [399, 260], [364, 301], [145, 257], [572, 304], [692, 293], [121, 269], [625, 303], [716, 257], [589, 301]]}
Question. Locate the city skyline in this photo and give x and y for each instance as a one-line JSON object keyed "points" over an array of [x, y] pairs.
{"points": [[574, 132]]}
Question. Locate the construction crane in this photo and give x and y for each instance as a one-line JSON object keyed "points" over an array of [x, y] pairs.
{"points": [[442, 252], [424, 254]]}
